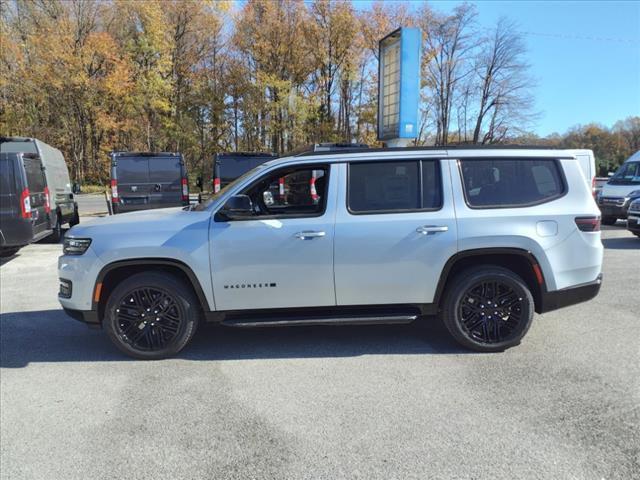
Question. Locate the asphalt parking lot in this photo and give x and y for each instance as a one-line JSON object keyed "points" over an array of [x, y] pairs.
{"points": [[322, 402]]}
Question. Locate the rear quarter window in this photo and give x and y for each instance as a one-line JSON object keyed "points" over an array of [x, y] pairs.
{"points": [[501, 183]]}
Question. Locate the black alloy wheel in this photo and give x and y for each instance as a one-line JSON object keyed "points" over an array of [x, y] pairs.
{"points": [[490, 311], [151, 315], [149, 319], [488, 308]]}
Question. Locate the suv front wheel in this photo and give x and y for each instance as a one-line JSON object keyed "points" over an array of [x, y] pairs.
{"points": [[151, 315], [488, 308]]}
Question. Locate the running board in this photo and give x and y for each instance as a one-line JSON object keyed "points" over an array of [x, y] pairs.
{"points": [[240, 322]]}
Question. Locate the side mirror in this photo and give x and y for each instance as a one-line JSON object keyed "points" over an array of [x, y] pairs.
{"points": [[75, 188], [238, 206], [199, 183]]}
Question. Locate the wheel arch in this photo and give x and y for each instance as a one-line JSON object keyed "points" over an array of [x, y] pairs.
{"points": [[112, 273], [521, 262]]}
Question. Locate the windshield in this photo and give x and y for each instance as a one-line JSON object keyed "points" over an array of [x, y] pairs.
{"points": [[627, 174], [204, 205]]}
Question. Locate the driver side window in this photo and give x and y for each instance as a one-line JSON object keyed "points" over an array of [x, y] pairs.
{"points": [[298, 192]]}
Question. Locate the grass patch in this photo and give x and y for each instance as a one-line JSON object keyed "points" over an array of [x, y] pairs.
{"points": [[92, 188]]}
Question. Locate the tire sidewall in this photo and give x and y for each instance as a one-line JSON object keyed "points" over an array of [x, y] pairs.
{"points": [[186, 302], [460, 286]]}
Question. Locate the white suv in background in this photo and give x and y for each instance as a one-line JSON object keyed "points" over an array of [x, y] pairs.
{"points": [[482, 237]]}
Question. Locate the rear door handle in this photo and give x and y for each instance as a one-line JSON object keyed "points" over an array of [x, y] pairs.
{"points": [[308, 234], [431, 229]]}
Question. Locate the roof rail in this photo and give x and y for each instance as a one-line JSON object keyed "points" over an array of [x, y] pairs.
{"points": [[246, 154], [325, 147], [144, 154]]}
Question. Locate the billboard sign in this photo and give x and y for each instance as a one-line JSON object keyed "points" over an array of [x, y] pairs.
{"points": [[399, 84]]}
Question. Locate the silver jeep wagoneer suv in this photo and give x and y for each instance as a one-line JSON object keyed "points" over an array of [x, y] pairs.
{"points": [[482, 237]]}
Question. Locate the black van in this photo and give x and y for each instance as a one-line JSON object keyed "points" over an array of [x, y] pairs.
{"points": [[230, 165], [143, 180], [25, 206], [64, 208]]}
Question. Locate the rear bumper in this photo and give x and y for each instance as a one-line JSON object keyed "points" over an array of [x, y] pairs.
{"points": [[16, 233], [570, 296]]}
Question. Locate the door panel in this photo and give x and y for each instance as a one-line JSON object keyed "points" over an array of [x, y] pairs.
{"points": [[392, 258], [275, 262], [133, 181], [165, 181]]}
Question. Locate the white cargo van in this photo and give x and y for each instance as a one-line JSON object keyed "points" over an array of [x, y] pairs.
{"points": [[621, 189], [587, 162]]}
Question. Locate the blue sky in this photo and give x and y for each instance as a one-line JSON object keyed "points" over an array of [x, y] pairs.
{"points": [[585, 56]]}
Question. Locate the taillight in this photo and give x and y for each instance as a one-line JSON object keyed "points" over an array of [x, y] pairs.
{"points": [[25, 204], [114, 191], [588, 224], [312, 188], [216, 185], [47, 200], [593, 186], [185, 190]]}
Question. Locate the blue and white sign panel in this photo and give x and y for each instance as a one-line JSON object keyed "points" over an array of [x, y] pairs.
{"points": [[399, 84]]}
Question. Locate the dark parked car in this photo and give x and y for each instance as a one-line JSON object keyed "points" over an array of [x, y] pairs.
{"points": [[229, 166], [142, 180], [24, 202], [64, 208], [633, 218]]}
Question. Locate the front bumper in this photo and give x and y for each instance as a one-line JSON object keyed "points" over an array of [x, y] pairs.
{"points": [[80, 272], [633, 222], [90, 317], [614, 210], [570, 296]]}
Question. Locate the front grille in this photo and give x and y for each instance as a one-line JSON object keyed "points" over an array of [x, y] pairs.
{"points": [[613, 201]]}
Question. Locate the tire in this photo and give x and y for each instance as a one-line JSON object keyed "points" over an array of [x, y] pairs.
{"points": [[75, 219], [609, 220], [56, 235], [9, 252], [477, 332], [147, 339]]}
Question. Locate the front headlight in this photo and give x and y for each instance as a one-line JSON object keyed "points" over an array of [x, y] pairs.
{"points": [[75, 246], [635, 194]]}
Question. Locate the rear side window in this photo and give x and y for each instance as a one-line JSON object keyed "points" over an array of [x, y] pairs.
{"points": [[164, 169], [379, 187], [510, 182], [35, 175]]}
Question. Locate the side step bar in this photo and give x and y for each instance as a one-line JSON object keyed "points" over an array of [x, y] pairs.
{"points": [[240, 322]]}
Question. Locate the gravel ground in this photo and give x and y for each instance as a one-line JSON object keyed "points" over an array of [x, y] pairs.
{"points": [[322, 402]]}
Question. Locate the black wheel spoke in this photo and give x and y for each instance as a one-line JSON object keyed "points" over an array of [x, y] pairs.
{"points": [[149, 319]]}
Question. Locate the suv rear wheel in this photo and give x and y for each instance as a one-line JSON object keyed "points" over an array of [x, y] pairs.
{"points": [[488, 308], [151, 316]]}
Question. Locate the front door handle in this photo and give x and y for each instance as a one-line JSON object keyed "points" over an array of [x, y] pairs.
{"points": [[308, 235], [431, 229]]}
